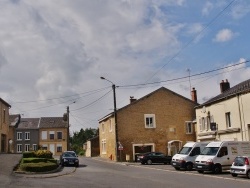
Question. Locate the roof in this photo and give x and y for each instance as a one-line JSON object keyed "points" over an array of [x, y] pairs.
{"points": [[146, 96], [14, 119], [241, 88], [52, 122], [4, 102], [28, 123]]}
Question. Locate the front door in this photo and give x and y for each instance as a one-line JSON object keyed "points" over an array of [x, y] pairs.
{"points": [[52, 148], [3, 143]]}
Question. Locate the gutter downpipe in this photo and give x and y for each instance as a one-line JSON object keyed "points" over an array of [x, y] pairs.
{"points": [[240, 117]]}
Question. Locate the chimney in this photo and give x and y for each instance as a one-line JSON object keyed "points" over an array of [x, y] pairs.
{"points": [[194, 95], [224, 86], [132, 99]]}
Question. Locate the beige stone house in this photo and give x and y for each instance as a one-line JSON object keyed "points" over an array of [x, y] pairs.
{"points": [[4, 125], [226, 116], [160, 121], [53, 134]]}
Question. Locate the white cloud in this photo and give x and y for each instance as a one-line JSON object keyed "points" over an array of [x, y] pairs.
{"points": [[207, 8], [224, 35]]}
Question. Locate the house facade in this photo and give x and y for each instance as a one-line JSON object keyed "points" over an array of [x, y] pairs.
{"points": [[4, 126], [160, 121], [226, 116], [26, 135], [92, 147], [53, 134]]}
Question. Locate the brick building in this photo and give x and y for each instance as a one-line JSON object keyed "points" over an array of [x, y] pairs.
{"points": [[159, 121]]}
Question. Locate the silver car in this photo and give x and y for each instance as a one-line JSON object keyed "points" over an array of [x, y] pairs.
{"points": [[241, 166]]}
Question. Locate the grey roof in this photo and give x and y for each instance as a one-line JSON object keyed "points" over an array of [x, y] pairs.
{"points": [[52, 122], [28, 123], [14, 119], [241, 88]]}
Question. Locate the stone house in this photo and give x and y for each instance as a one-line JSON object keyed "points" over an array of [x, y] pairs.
{"points": [[225, 116], [26, 135], [92, 147], [4, 125], [160, 121], [53, 134]]}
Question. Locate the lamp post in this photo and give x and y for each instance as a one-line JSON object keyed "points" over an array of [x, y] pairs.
{"points": [[115, 116]]}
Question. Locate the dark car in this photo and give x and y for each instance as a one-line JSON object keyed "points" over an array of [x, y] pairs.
{"points": [[69, 158], [154, 157]]}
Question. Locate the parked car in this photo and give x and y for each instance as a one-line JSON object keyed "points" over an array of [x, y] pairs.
{"points": [[69, 158], [154, 157], [241, 166]]}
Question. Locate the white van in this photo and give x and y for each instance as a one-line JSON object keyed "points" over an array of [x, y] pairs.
{"points": [[218, 156], [185, 158]]}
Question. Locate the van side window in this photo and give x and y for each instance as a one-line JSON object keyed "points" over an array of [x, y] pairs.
{"points": [[223, 151], [196, 151]]}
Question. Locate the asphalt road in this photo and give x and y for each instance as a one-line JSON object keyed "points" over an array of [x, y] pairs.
{"points": [[93, 173]]}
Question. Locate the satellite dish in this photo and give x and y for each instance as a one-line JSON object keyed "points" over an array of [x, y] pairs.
{"points": [[203, 109]]}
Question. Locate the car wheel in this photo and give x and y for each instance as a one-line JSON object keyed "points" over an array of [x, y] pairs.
{"points": [[177, 168], [142, 163], [234, 175], [217, 169], [189, 166], [77, 165], [248, 174], [200, 171], [149, 162]]}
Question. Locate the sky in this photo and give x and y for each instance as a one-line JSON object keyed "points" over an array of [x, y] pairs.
{"points": [[53, 53]]}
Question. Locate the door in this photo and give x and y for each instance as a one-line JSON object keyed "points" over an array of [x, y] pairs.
{"points": [[52, 148]]}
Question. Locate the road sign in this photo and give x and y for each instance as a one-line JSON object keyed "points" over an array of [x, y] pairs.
{"points": [[120, 147]]}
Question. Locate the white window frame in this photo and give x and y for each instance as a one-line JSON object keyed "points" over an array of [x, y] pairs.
{"points": [[151, 118], [45, 146], [104, 146], [27, 135], [19, 148], [19, 136], [203, 124], [27, 147], [44, 135], [228, 120], [110, 125], [34, 147], [189, 127]]}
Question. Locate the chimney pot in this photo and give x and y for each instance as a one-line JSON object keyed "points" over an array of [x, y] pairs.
{"points": [[194, 95]]}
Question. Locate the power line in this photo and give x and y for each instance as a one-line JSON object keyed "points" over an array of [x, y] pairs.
{"points": [[180, 78]]}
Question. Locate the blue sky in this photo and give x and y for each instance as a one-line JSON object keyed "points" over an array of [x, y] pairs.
{"points": [[53, 53]]}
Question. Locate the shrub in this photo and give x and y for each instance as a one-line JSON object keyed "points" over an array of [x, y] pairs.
{"points": [[44, 154], [34, 160], [81, 153], [29, 154], [38, 167]]}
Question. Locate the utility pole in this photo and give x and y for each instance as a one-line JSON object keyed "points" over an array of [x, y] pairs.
{"points": [[68, 135]]}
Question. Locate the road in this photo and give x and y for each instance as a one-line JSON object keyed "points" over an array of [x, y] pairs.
{"points": [[93, 173]]}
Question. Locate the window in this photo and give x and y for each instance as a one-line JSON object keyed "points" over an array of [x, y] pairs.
{"points": [[104, 146], [110, 125], [44, 146], [202, 124], [44, 135], [4, 114], [103, 128], [27, 147], [189, 127], [228, 120], [59, 147], [19, 148], [59, 135], [208, 123], [27, 135], [34, 147], [52, 135], [19, 136], [149, 121]]}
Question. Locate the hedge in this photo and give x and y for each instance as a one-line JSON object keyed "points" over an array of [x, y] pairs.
{"points": [[38, 160], [38, 167]]}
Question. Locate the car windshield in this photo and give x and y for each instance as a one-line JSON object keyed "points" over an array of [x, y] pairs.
{"points": [[210, 151], [71, 154], [185, 150]]}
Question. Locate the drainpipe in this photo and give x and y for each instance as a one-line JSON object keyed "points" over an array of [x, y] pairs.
{"points": [[238, 98]]}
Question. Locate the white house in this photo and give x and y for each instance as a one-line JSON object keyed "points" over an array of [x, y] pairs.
{"points": [[226, 116]]}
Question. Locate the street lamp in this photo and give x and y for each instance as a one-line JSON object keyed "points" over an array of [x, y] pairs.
{"points": [[115, 115]]}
